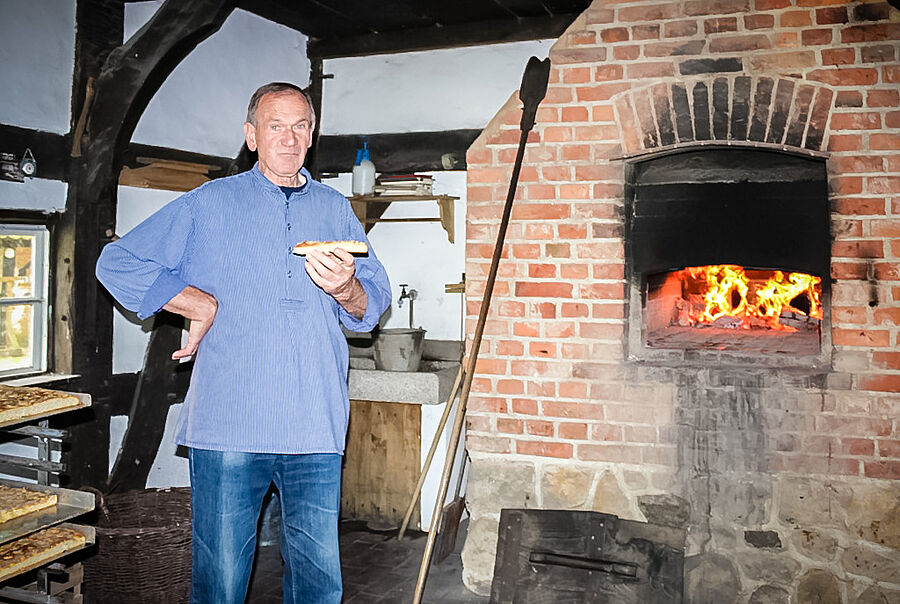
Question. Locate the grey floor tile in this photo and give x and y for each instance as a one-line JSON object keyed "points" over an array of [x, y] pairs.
{"points": [[377, 569]]}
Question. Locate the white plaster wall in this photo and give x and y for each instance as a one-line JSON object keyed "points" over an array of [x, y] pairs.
{"points": [[421, 91], [431, 418], [130, 334], [37, 54], [168, 469], [420, 255], [202, 105], [33, 194]]}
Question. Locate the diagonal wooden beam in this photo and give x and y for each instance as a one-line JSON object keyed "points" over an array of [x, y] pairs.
{"points": [[133, 72]]}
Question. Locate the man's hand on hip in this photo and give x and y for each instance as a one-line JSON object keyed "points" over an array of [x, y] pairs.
{"points": [[336, 275], [200, 308]]}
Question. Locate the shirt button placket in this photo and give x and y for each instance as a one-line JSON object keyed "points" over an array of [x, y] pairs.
{"points": [[290, 248]]}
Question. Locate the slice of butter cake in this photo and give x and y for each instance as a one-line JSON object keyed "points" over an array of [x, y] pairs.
{"points": [[18, 501], [36, 549], [19, 402]]}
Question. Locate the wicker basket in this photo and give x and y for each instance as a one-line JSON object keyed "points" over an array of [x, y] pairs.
{"points": [[143, 549]]}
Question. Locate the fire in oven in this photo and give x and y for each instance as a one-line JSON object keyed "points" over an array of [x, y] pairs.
{"points": [[727, 250], [729, 307]]}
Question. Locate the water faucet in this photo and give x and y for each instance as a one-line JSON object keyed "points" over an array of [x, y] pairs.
{"points": [[410, 295]]}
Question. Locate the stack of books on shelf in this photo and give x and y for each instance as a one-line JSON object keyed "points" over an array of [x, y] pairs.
{"points": [[403, 184]]}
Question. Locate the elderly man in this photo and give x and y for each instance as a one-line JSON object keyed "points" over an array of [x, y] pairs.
{"points": [[268, 395]]}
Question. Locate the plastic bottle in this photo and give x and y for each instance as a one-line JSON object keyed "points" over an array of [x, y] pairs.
{"points": [[363, 172]]}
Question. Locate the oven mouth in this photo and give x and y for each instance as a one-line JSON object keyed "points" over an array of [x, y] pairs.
{"points": [[728, 253]]}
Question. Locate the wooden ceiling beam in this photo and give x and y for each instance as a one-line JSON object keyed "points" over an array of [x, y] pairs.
{"points": [[50, 150], [394, 153], [299, 15], [446, 36], [137, 155]]}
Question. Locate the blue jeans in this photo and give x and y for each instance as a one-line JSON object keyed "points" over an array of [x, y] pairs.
{"points": [[227, 494]]}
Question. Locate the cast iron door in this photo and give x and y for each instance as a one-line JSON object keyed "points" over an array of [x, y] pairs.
{"points": [[565, 557]]}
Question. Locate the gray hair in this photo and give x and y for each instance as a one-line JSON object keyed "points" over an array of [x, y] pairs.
{"points": [[274, 88]]}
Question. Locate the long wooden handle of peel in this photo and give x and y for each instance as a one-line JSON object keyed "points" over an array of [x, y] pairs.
{"points": [[456, 431], [531, 92], [434, 443]]}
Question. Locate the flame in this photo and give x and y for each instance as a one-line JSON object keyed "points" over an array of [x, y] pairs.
{"points": [[730, 293]]}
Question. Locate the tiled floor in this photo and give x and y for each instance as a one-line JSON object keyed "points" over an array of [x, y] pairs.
{"points": [[377, 569]]}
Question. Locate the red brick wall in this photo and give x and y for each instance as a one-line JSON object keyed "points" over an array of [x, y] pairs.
{"points": [[552, 379]]}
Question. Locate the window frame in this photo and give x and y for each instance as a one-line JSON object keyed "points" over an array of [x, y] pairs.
{"points": [[40, 299]]}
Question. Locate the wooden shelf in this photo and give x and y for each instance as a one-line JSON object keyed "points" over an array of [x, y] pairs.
{"points": [[369, 208]]}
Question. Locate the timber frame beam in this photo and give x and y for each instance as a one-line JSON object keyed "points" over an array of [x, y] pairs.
{"points": [[50, 150], [445, 36], [395, 153]]}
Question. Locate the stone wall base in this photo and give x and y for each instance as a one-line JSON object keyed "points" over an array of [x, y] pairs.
{"points": [[752, 537]]}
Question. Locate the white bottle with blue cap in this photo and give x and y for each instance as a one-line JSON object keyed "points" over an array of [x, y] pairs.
{"points": [[363, 172]]}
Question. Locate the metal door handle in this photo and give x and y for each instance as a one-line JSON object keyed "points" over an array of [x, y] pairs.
{"points": [[625, 569]]}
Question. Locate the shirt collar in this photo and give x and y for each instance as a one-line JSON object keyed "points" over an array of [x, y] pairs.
{"points": [[271, 186]]}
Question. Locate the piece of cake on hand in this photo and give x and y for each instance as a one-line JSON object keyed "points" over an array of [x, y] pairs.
{"points": [[353, 247]]}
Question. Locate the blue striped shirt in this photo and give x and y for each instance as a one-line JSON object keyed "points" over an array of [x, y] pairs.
{"points": [[270, 376]]}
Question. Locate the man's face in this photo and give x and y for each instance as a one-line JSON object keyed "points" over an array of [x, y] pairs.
{"points": [[282, 135]]}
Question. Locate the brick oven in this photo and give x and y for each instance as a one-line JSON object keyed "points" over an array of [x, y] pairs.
{"points": [[692, 159]]}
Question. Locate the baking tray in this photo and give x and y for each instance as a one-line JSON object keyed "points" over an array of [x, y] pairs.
{"points": [[69, 504], [89, 534], [84, 400]]}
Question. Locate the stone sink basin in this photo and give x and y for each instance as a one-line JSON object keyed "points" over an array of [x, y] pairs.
{"points": [[430, 385]]}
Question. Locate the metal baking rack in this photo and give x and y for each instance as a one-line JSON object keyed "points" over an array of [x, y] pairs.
{"points": [[70, 504], [54, 582]]}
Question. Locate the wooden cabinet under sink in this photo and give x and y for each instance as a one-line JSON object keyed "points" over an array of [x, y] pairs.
{"points": [[381, 462]]}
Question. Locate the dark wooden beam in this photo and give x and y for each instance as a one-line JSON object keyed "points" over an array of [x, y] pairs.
{"points": [[442, 36], [316, 76], [130, 75], [135, 152], [305, 16], [99, 28], [52, 152], [28, 217], [49, 149], [121, 392], [397, 152]]}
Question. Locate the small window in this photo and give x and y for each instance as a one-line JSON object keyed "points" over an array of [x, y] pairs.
{"points": [[23, 299]]}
